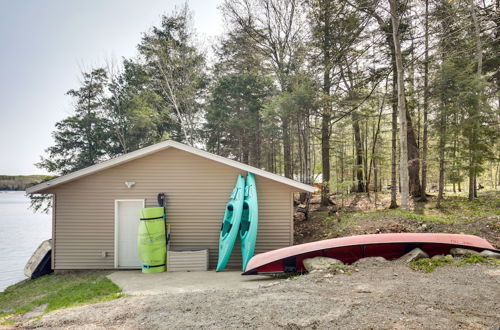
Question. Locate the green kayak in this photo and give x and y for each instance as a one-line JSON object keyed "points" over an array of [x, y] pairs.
{"points": [[151, 240], [249, 220], [231, 223]]}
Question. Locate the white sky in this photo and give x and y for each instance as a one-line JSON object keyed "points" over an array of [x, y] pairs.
{"points": [[45, 44]]}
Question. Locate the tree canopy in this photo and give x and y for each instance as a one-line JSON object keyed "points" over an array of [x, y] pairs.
{"points": [[315, 90]]}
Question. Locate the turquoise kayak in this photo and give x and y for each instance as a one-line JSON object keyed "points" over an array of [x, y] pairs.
{"points": [[249, 220], [231, 223]]}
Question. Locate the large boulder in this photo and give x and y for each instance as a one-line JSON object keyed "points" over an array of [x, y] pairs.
{"points": [[315, 199], [414, 254], [299, 216], [460, 252], [371, 262], [490, 254], [333, 210], [320, 263]]}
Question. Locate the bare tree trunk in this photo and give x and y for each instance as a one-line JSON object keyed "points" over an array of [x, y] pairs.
{"points": [[342, 169], [326, 115], [423, 196], [413, 135], [442, 145], [413, 160], [325, 155], [403, 137], [358, 166], [394, 132], [184, 122], [254, 143], [287, 149], [365, 155], [473, 134], [374, 146], [307, 152]]}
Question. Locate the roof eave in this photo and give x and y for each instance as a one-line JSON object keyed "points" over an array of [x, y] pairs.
{"points": [[39, 188]]}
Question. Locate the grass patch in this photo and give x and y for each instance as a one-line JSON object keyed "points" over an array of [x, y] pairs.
{"points": [[477, 259], [340, 269], [286, 276], [8, 322], [58, 291], [427, 265]]}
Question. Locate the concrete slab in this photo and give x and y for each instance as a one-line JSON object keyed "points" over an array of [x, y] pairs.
{"points": [[136, 283]]}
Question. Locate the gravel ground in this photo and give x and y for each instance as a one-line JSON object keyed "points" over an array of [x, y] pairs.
{"points": [[380, 296]]}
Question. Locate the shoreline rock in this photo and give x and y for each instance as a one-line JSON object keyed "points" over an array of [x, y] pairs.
{"points": [[320, 263]]}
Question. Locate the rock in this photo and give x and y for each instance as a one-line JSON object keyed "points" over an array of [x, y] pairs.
{"points": [[363, 288], [320, 263], [370, 261], [315, 199], [301, 208], [331, 201], [332, 210], [437, 256], [490, 254], [458, 252], [363, 291], [299, 216], [414, 254]]}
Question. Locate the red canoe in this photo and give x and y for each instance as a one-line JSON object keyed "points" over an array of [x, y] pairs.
{"points": [[350, 249]]}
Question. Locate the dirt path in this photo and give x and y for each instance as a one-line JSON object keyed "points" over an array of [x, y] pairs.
{"points": [[388, 296]]}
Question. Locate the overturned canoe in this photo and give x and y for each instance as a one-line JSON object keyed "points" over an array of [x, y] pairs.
{"points": [[40, 262], [350, 249]]}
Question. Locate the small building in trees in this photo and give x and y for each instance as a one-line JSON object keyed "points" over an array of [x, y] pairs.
{"points": [[95, 209]]}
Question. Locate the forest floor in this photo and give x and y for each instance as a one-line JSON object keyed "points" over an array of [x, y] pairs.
{"points": [[359, 214]]}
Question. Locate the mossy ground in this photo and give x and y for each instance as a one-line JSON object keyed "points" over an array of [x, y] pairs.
{"points": [[454, 210], [427, 265], [57, 291], [362, 215]]}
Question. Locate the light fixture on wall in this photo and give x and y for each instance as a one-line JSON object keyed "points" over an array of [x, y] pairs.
{"points": [[129, 184]]}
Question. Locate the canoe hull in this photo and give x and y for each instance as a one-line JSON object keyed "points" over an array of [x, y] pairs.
{"points": [[249, 221], [40, 262], [231, 223], [353, 248]]}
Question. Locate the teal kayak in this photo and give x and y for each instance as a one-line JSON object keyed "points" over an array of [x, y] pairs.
{"points": [[249, 220], [231, 223]]}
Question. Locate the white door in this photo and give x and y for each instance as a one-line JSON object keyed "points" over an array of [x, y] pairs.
{"points": [[126, 228]]}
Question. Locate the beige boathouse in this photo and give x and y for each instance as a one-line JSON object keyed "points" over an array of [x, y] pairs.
{"points": [[95, 210]]}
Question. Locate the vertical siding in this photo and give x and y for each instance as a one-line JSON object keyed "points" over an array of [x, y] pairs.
{"points": [[197, 191]]}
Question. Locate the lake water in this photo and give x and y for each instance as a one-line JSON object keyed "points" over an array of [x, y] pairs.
{"points": [[21, 231]]}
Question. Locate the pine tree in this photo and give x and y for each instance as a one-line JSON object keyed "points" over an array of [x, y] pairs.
{"points": [[81, 139]]}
